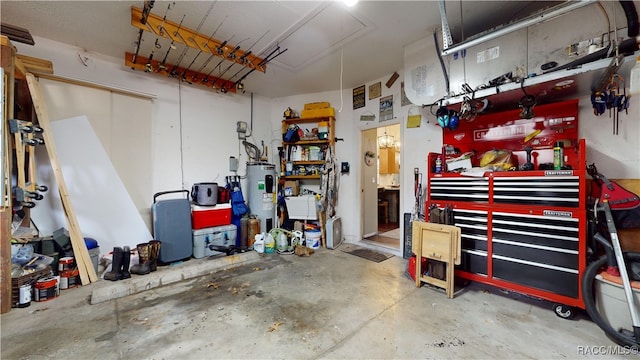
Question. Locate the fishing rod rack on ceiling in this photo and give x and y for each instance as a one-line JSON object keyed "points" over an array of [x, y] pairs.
{"points": [[144, 20]]}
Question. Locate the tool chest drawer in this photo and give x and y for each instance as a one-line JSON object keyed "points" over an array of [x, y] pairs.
{"points": [[459, 188], [473, 226], [536, 231], [562, 191], [550, 278], [473, 261]]}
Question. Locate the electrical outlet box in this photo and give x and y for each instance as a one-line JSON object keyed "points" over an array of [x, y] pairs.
{"points": [[233, 164], [241, 129]]}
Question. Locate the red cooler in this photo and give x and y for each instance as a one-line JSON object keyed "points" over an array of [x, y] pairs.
{"points": [[210, 216]]}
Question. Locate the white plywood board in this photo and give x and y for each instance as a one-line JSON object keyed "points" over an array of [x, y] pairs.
{"points": [[102, 204], [122, 124]]}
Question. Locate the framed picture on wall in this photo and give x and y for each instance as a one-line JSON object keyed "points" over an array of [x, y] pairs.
{"points": [[358, 97], [386, 108], [375, 90]]}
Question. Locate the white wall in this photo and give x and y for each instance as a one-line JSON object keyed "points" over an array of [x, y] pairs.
{"points": [[201, 150], [193, 130]]}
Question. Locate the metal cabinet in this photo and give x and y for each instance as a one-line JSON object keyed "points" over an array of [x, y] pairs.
{"points": [[524, 230], [520, 231]]}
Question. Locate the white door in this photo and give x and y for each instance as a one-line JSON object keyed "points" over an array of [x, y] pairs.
{"points": [[369, 184]]}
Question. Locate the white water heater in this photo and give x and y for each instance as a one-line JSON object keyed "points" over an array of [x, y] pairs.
{"points": [[261, 189]]}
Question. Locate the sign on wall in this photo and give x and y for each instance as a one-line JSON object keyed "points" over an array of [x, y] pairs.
{"points": [[375, 91], [358, 97], [386, 108]]}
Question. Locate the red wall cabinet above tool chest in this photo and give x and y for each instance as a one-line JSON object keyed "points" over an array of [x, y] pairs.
{"points": [[523, 231]]}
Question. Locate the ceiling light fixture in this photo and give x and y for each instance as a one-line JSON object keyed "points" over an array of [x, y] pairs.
{"points": [[350, 2], [385, 141]]}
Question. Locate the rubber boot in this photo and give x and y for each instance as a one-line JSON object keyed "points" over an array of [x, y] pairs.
{"points": [[154, 254], [116, 264], [126, 260], [142, 267]]}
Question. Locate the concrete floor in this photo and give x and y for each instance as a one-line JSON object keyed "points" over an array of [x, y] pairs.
{"points": [[329, 305]]}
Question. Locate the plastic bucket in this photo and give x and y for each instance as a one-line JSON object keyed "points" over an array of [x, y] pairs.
{"points": [[205, 193], [312, 238]]}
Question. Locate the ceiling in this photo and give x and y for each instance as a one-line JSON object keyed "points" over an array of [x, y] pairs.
{"points": [[328, 44]]}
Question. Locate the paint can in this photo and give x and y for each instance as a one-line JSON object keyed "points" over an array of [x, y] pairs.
{"points": [[69, 279], [45, 289], [24, 297], [65, 263]]}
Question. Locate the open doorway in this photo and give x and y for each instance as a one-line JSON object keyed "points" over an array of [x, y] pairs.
{"points": [[381, 186]]}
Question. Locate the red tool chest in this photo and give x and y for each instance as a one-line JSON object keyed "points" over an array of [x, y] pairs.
{"points": [[523, 231]]}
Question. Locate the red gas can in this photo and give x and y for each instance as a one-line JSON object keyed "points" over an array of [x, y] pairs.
{"points": [[411, 266]]}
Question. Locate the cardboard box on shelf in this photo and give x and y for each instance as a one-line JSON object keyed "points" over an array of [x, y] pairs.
{"points": [[316, 105], [318, 113], [292, 187]]}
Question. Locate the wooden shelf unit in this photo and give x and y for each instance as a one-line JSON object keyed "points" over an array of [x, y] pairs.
{"points": [[324, 144]]}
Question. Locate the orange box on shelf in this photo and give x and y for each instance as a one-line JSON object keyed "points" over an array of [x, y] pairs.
{"points": [[318, 113], [210, 216], [316, 105]]}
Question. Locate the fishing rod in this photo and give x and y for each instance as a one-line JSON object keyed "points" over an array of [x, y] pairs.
{"points": [[171, 46], [206, 62], [148, 67], [232, 55], [265, 61], [184, 73], [220, 52], [186, 48], [148, 5], [242, 58], [156, 45]]}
